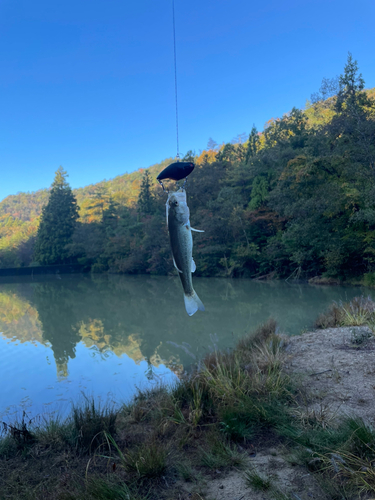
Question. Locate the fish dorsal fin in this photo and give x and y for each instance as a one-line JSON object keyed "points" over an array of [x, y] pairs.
{"points": [[193, 266], [175, 265], [197, 230]]}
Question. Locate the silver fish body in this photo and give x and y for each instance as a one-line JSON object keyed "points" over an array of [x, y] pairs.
{"points": [[182, 247]]}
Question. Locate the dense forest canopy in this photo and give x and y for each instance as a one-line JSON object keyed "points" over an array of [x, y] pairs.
{"points": [[297, 198]]}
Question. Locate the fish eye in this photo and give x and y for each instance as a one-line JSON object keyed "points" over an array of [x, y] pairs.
{"points": [[176, 203]]}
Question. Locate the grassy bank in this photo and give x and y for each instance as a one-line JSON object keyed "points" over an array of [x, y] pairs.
{"points": [[171, 443], [358, 312]]}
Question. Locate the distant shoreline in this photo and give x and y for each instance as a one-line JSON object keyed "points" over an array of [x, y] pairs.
{"points": [[60, 269], [38, 270]]}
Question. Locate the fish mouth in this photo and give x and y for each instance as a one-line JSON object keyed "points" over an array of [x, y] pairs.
{"points": [[177, 197]]}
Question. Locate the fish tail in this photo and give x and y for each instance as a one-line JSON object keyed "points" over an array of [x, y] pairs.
{"points": [[193, 303]]}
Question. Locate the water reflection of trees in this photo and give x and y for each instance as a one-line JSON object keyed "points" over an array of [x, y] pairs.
{"points": [[144, 317], [58, 316], [18, 319]]}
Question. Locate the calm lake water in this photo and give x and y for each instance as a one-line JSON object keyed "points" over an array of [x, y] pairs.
{"points": [[107, 335]]}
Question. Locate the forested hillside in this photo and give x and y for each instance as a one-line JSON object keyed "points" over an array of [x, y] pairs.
{"points": [[297, 198], [19, 214]]}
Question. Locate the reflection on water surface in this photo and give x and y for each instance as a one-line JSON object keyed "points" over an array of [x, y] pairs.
{"points": [[108, 334]]}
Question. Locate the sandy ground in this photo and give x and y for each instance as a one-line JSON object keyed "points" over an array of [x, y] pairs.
{"points": [[269, 463], [337, 366]]}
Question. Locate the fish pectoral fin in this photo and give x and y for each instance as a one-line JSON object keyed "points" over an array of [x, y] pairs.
{"points": [[175, 265], [193, 266], [197, 230]]}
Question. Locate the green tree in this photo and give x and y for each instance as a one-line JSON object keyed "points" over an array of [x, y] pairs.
{"points": [[259, 192], [145, 198], [57, 223], [253, 144], [110, 216], [351, 86], [190, 155], [353, 127]]}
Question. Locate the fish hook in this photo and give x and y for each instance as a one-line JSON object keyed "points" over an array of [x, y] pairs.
{"points": [[183, 187], [164, 188]]}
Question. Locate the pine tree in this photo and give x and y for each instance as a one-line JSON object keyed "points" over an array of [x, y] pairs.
{"points": [[353, 127], [351, 86], [57, 223], [253, 144], [110, 217], [146, 199]]}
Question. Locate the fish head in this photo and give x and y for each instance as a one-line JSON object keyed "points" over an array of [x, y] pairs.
{"points": [[177, 207]]}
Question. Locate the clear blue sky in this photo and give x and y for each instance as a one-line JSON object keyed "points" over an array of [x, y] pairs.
{"points": [[89, 85]]}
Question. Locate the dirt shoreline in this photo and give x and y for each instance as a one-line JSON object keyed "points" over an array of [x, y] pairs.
{"points": [[337, 368]]}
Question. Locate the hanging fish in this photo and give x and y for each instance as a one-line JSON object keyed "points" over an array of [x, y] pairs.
{"points": [[176, 171], [182, 247]]}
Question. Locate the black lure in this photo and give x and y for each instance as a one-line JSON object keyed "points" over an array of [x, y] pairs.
{"points": [[176, 171]]}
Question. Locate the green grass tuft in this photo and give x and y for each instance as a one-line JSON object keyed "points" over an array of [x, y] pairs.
{"points": [[147, 461], [90, 420], [221, 454], [186, 471], [360, 311], [8, 447], [237, 425], [260, 336], [256, 481], [110, 489]]}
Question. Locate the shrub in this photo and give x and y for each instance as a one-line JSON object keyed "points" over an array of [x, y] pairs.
{"points": [[369, 280], [330, 318]]}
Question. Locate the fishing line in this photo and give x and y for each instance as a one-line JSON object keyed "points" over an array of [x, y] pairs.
{"points": [[177, 170], [175, 79]]}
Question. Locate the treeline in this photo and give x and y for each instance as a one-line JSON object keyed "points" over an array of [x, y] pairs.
{"points": [[297, 198]]}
